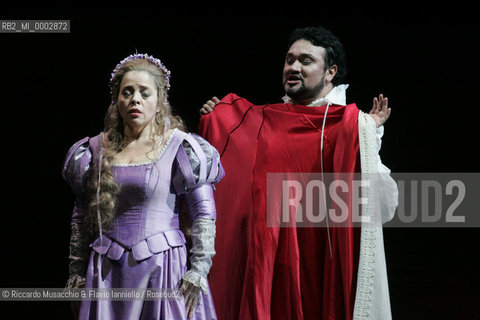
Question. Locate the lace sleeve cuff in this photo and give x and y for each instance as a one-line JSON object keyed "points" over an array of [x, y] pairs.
{"points": [[75, 281], [197, 280]]}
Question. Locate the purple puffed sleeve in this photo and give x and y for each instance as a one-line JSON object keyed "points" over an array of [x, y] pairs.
{"points": [[75, 166], [198, 169]]}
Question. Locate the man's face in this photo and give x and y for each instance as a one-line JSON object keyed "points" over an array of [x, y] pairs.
{"points": [[304, 71]]}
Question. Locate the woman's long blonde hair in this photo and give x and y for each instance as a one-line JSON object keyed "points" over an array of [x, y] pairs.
{"points": [[112, 141]]}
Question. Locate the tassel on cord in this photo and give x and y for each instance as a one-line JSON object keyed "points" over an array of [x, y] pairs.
{"points": [[321, 166]]}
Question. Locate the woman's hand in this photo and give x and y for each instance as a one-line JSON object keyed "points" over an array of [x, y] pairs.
{"points": [[191, 294]]}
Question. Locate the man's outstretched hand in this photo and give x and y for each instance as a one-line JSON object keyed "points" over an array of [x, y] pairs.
{"points": [[209, 106], [380, 110]]}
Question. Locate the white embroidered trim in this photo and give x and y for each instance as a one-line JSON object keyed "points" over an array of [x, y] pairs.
{"points": [[367, 261], [138, 164]]}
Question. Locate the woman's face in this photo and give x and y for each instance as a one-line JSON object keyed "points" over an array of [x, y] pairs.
{"points": [[138, 100]]}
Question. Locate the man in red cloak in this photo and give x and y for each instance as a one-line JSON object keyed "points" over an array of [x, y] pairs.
{"points": [[265, 272]]}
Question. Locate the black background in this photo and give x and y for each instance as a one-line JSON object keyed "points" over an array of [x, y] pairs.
{"points": [[54, 91]]}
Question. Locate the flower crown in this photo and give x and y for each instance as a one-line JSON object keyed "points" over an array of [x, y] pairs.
{"points": [[152, 59]]}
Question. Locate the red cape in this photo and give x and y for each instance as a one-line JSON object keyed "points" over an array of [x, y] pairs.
{"points": [[261, 272]]}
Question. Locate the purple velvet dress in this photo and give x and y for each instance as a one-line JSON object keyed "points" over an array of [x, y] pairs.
{"points": [[144, 247]]}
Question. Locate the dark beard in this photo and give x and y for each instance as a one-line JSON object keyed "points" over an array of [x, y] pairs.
{"points": [[305, 94]]}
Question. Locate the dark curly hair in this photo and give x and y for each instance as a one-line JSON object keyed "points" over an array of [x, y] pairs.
{"points": [[322, 37]]}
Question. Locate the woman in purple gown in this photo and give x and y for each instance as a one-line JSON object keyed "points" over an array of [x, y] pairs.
{"points": [[129, 183]]}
